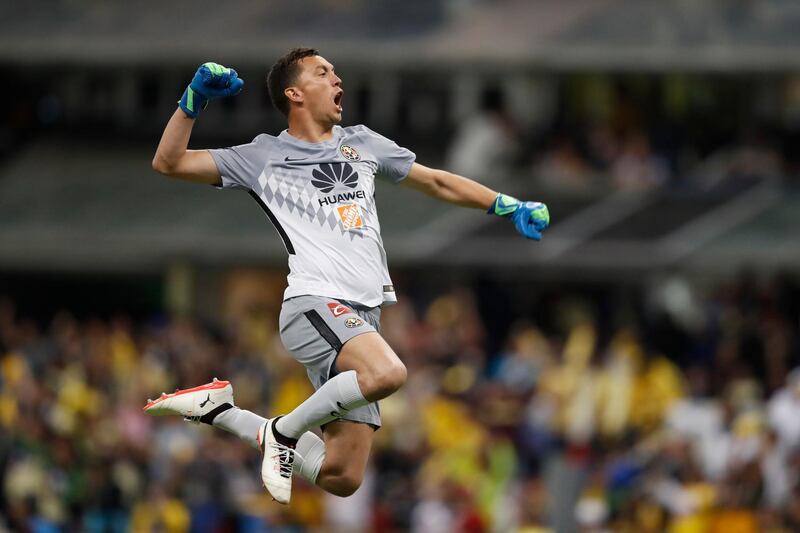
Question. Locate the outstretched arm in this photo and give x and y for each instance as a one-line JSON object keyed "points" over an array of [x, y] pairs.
{"points": [[172, 156], [530, 218], [449, 187]]}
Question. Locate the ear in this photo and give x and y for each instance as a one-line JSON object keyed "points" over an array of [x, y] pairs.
{"points": [[294, 94]]}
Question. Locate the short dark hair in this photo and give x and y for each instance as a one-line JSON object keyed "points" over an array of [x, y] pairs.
{"points": [[283, 73]]}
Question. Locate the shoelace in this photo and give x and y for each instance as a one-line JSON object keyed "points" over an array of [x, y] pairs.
{"points": [[285, 458]]}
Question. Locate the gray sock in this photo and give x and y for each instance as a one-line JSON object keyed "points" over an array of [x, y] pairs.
{"points": [[309, 456], [338, 395], [244, 424]]}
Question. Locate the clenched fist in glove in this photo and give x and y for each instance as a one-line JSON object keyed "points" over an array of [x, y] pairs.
{"points": [[530, 218], [210, 81]]}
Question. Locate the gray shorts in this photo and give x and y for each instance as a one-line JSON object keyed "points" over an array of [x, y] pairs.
{"points": [[314, 329]]}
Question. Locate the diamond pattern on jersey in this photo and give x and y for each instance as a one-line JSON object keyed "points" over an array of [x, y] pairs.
{"points": [[282, 192]]}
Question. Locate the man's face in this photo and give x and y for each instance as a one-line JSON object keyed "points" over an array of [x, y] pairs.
{"points": [[320, 89]]}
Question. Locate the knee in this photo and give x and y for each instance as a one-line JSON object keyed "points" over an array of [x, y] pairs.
{"points": [[386, 381], [342, 484], [392, 378]]}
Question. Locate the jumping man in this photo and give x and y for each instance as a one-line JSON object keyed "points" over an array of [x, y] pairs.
{"points": [[316, 182]]}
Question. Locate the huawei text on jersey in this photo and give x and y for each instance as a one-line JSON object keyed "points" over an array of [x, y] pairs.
{"points": [[341, 197]]}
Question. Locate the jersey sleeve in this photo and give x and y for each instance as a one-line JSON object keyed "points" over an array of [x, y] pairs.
{"points": [[239, 166], [394, 162]]}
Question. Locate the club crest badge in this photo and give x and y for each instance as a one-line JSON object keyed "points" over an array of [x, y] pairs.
{"points": [[350, 153], [353, 322]]}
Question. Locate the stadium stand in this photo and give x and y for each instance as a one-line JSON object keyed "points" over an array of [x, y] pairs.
{"points": [[636, 371]]}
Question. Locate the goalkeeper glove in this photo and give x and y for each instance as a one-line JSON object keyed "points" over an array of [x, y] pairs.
{"points": [[210, 81], [530, 218]]}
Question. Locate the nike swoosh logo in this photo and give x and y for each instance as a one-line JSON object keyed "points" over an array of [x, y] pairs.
{"points": [[295, 159], [343, 408]]}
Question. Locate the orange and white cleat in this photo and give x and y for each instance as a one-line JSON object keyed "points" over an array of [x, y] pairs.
{"points": [[195, 403]]}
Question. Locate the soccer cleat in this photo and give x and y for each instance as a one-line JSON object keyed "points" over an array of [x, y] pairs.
{"points": [[276, 466], [192, 404]]}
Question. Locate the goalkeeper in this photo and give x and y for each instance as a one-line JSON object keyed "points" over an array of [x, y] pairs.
{"points": [[315, 182]]}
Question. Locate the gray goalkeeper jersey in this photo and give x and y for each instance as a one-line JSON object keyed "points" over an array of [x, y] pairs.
{"points": [[321, 199]]}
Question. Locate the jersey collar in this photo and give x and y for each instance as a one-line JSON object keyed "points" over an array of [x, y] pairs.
{"points": [[333, 141]]}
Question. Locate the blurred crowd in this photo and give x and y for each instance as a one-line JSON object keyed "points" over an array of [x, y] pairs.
{"points": [[648, 414], [612, 137]]}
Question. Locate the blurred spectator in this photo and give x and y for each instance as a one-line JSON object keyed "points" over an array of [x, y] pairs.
{"points": [[753, 158], [486, 144], [562, 167], [586, 428], [637, 167], [783, 409]]}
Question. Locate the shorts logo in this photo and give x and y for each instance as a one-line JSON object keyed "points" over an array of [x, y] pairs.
{"points": [[350, 216], [353, 322], [350, 153], [339, 309]]}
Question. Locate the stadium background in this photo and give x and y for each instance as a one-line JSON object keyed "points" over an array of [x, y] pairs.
{"points": [[631, 372]]}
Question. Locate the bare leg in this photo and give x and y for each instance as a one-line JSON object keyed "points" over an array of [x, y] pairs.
{"points": [[380, 372], [347, 447], [368, 371], [347, 444]]}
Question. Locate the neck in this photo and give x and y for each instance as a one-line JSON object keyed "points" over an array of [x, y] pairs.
{"points": [[303, 127]]}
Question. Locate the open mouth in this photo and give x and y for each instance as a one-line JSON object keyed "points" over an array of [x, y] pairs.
{"points": [[337, 100]]}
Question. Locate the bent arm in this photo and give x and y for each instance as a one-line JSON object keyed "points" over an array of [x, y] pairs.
{"points": [[449, 187], [173, 159]]}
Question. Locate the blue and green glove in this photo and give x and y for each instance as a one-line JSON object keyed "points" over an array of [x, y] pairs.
{"points": [[530, 218], [210, 81]]}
